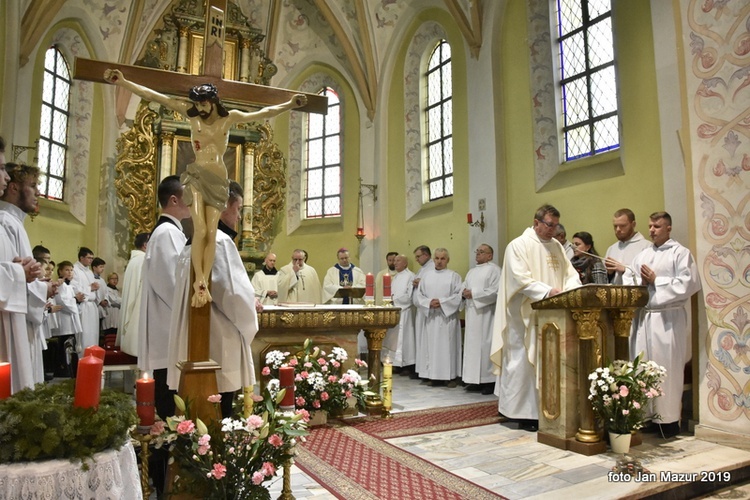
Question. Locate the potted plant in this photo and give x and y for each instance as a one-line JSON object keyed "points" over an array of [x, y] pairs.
{"points": [[620, 394]]}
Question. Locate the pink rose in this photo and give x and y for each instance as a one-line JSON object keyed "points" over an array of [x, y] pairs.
{"points": [[214, 398], [332, 378], [300, 401], [202, 450], [219, 471], [254, 422], [293, 362], [258, 478], [636, 405], [335, 364], [307, 365], [316, 404], [268, 469], [305, 414], [157, 428], [185, 427], [304, 374], [624, 390], [204, 439], [322, 362], [348, 394], [324, 369], [265, 371], [324, 396], [275, 440]]}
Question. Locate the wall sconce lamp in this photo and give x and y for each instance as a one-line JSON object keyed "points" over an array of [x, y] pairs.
{"points": [[372, 189], [480, 223]]}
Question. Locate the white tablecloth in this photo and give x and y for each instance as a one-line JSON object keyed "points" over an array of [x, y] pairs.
{"points": [[112, 475]]}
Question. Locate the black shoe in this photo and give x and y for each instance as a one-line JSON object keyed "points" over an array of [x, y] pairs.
{"points": [[488, 389], [528, 425], [669, 430], [437, 383], [407, 370], [414, 375], [452, 384], [651, 428], [473, 388], [396, 370]]}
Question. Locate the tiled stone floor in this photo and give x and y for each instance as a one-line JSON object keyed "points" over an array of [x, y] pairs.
{"points": [[511, 463]]}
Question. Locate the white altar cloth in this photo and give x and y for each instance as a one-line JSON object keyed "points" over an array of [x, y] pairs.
{"points": [[113, 474]]}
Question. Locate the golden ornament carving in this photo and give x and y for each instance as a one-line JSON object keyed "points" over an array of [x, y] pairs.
{"points": [[135, 171], [587, 323], [369, 317], [551, 406], [287, 318], [328, 318], [623, 320], [269, 188]]}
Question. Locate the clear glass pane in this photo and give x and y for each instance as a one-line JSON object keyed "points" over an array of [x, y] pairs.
{"points": [[57, 161], [447, 81], [600, 43], [62, 94], [434, 59], [315, 183], [315, 208], [49, 59], [46, 121], [606, 134], [315, 153], [435, 154], [578, 142], [433, 88], [573, 56], [59, 127], [576, 102], [43, 154], [446, 51], [448, 118], [599, 7], [570, 15], [47, 87], [62, 66], [333, 206], [448, 154], [434, 132], [55, 189], [604, 91], [332, 181], [436, 190], [333, 97], [333, 120], [314, 125], [332, 151], [449, 186]]}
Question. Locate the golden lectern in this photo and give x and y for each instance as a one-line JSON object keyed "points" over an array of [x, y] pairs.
{"points": [[578, 331]]}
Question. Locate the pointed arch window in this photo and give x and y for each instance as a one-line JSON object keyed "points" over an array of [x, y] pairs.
{"points": [[323, 160], [439, 123], [53, 132], [587, 77]]}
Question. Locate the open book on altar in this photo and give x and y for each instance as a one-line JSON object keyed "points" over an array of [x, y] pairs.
{"points": [[352, 293]]}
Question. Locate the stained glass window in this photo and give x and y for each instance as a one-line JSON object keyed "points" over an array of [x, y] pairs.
{"points": [[53, 133], [439, 118], [323, 169]]}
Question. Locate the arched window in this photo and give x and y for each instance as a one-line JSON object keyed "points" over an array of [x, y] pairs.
{"points": [[439, 119], [587, 76], [323, 155], [53, 133]]}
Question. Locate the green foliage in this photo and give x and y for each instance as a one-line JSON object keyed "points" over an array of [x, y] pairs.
{"points": [[43, 424]]}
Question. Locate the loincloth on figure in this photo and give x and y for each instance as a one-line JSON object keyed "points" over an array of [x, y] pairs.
{"points": [[213, 189]]}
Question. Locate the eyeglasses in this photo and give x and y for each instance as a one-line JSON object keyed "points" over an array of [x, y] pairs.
{"points": [[548, 224], [479, 250]]}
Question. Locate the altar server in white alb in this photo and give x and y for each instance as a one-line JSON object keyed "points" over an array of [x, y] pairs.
{"points": [[629, 244], [439, 298], [299, 282], [132, 284], [390, 260], [266, 281], [18, 199], [423, 256], [661, 330], [535, 267], [480, 296], [85, 283], [234, 320], [343, 274], [164, 248], [400, 344]]}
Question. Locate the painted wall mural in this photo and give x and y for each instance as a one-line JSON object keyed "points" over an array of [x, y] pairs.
{"points": [[716, 38]]}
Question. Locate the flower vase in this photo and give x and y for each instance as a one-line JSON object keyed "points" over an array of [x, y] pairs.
{"points": [[620, 443], [318, 418]]}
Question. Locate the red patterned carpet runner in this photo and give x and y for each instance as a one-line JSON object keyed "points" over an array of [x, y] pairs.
{"points": [[354, 462]]}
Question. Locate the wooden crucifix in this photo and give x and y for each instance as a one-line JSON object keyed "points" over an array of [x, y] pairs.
{"points": [[205, 180]]}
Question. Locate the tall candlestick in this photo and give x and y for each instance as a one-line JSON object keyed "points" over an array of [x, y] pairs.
{"points": [[4, 380], [386, 286], [369, 285], [88, 382], [286, 381], [145, 398], [387, 384]]}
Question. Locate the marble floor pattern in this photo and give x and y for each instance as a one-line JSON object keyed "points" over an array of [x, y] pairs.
{"points": [[511, 463]]}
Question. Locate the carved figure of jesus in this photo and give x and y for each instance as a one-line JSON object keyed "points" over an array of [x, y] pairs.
{"points": [[205, 180]]}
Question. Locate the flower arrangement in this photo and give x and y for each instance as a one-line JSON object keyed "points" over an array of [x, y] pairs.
{"points": [[319, 380], [620, 393], [233, 457]]}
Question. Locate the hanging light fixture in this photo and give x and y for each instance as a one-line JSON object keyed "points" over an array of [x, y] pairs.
{"points": [[360, 234]]}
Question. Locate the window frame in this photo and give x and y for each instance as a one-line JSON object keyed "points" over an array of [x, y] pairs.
{"points": [[445, 139]]}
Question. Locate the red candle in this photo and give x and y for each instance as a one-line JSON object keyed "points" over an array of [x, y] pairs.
{"points": [[4, 380], [469, 218], [386, 285], [144, 400], [88, 382], [286, 381], [360, 231], [369, 285], [94, 350]]}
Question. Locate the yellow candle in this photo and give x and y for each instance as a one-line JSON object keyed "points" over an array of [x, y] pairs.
{"points": [[247, 401], [387, 384]]}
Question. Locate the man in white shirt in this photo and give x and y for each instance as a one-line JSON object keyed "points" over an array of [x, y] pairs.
{"points": [[343, 274], [629, 244], [127, 330], [266, 281], [480, 295], [299, 282]]}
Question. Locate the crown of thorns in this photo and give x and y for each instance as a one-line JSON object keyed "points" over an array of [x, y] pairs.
{"points": [[205, 92]]}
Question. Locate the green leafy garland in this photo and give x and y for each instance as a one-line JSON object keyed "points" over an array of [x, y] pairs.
{"points": [[43, 424]]}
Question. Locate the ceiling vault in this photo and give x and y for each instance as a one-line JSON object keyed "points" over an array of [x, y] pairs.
{"points": [[472, 31]]}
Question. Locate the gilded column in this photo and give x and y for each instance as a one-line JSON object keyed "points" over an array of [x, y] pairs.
{"points": [[247, 185], [623, 320], [244, 60], [165, 165], [374, 345], [587, 325], [182, 50]]}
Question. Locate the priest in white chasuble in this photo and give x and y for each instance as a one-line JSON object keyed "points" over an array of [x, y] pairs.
{"points": [[480, 296], [439, 299], [399, 343], [266, 281], [234, 319], [127, 329], [535, 267], [299, 282], [343, 274]]}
